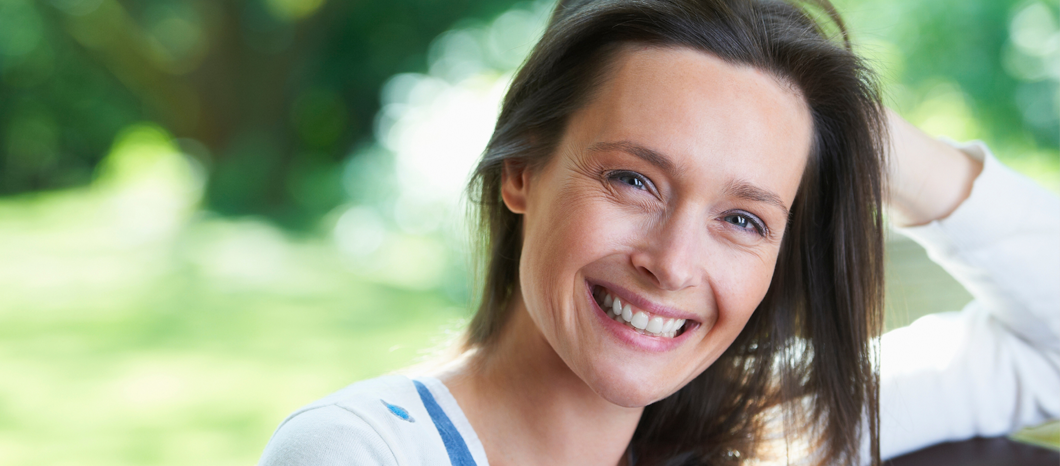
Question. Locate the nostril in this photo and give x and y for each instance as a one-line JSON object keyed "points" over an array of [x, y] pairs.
{"points": [[651, 275]]}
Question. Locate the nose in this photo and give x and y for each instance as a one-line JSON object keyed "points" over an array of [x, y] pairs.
{"points": [[672, 255]]}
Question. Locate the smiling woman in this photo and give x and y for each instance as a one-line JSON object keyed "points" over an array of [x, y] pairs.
{"points": [[655, 159], [682, 208], [677, 235]]}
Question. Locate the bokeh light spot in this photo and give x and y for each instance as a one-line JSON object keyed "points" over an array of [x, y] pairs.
{"points": [[945, 111]]}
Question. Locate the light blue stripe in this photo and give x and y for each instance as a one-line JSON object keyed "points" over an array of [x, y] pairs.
{"points": [[459, 455]]}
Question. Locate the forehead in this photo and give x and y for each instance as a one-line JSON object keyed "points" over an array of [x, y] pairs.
{"points": [[706, 114]]}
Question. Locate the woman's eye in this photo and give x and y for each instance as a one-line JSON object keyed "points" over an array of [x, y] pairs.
{"points": [[746, 222], [632, 179]]}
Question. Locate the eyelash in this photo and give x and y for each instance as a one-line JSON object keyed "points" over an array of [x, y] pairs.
{"points": [[645, 183], [755, 223]]}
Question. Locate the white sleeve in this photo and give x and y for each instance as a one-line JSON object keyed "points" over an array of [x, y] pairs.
{"points": [[327, 436], [993, 367]]}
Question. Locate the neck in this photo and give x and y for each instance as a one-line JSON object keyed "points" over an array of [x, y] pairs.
{"points": [[528, 407]]}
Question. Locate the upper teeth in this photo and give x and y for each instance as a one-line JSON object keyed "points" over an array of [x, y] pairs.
{"points": [[643, 321]]}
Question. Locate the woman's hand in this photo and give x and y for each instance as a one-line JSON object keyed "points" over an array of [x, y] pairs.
{"points": [[926, 178]]}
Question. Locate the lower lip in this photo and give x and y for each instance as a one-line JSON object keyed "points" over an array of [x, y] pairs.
{"points": [[630, 336]]}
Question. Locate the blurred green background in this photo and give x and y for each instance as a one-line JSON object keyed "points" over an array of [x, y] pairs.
{"points": [[213, 212]]}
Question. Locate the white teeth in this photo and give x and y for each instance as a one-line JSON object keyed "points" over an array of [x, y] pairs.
{"points": [[668, 325], [655, 325], [641, 321]]}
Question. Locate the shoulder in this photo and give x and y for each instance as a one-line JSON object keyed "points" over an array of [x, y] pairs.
{"points": [[376, 421]]}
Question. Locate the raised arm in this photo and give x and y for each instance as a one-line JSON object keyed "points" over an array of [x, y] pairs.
{"points": [[927, 178], [995, 366]]}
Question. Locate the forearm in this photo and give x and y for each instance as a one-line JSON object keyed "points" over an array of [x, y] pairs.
{"points": [[927, 178], [995, 367]]}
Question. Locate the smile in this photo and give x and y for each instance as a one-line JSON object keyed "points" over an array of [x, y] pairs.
{"points": [[640, 320]]}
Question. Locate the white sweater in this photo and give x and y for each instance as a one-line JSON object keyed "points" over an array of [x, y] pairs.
{"points": [[987, 370], [993, 367]]}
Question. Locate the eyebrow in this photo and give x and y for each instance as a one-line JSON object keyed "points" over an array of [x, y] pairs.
{"points": [[737, 188], [637, 150], [743, 190]]}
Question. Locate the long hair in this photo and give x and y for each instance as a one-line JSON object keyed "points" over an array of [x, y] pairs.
{"points": [[804, 361]]}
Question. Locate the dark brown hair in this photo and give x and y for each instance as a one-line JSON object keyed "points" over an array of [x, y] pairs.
{"points": [[804, 360]]}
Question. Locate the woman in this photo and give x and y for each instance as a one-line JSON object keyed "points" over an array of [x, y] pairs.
{"points": [[682, 208]]}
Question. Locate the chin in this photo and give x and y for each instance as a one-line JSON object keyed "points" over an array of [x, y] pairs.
{"points": [[629, 387]]}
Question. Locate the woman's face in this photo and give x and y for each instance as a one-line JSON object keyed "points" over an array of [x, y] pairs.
{"points": [[668, 192]]}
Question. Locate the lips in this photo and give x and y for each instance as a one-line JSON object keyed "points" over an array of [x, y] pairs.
{"points": [[640, 320]]}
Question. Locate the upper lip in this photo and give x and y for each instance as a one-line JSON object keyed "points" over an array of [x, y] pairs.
{"points": [[638, 301]]}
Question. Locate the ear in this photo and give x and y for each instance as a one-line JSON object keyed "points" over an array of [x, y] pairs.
{"points": [[515, 184]]}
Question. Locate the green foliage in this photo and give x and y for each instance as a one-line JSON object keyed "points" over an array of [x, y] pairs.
{"points": [[274, 92], [1001, 56], [272, 95]]}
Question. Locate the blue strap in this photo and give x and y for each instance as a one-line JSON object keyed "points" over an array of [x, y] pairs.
{"points": [[459, 455]]}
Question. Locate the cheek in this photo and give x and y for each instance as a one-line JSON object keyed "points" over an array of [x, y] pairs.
{"points": [[569, 228], [748, 284], [739, 289], [559, 239]]}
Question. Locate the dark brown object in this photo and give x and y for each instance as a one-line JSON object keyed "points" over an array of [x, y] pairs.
{"points": [[996, 451]]}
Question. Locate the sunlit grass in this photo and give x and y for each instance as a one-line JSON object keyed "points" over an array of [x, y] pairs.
{"points": [[183, 368], [135, 329]]}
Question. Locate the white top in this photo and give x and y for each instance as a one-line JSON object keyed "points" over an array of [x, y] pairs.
{"points": [[993, 367], [388, 420], [989, 369]]}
